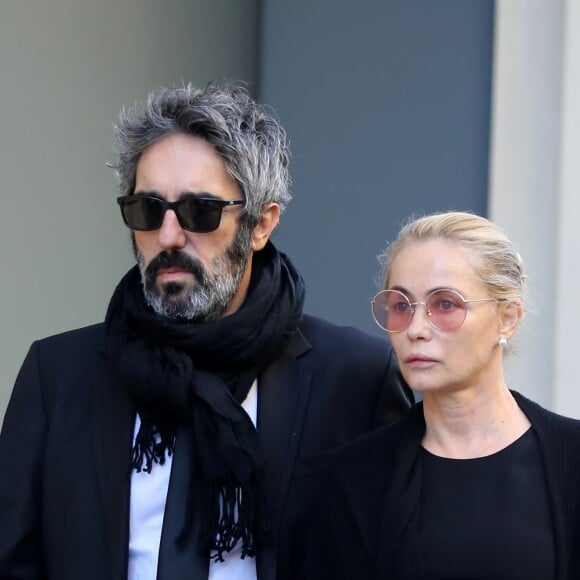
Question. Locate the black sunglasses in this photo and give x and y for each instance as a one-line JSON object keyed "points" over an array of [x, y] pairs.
{"points": [[195, 214]]}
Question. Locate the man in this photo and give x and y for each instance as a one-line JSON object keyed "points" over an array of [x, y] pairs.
{"points": [[129, 447]]}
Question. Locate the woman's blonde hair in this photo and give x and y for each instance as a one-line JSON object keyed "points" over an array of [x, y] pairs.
{"points": [[496, 263]]}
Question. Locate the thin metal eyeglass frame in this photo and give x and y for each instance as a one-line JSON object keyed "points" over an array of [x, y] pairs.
{"points": [[428, 313], [174, 206]]}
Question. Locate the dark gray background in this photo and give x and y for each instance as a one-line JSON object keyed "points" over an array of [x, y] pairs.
{"points": [[387, 105]]}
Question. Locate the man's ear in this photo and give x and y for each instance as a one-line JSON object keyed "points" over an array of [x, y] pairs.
{"points": [[510, 317], [268, 221]]}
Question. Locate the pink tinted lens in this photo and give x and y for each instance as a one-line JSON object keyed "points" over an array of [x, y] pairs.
{"points": [[446, 309], [392, 310]]}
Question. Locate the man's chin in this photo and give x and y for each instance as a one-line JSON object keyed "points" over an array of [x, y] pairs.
{"points": [[175, 306], [174, 289]]}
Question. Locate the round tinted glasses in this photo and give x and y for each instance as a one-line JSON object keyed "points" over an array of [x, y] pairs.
{"points": [[195, 214], [445, 309]]}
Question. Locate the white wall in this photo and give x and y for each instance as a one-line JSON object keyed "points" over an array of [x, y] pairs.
{"points": [[566, 396], [66, 69], [534, 185]]}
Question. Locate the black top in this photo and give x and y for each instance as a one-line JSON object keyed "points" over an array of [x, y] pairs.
{"points": [[367, 524], [487, 517]]}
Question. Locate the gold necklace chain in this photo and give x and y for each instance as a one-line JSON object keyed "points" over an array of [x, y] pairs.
{"points": [[501, 431]]}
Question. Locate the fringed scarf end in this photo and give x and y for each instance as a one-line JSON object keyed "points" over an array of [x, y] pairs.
{"points": [[151, 446]]}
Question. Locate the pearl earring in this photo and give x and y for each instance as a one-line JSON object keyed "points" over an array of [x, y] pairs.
{"points": [[502, 341]]}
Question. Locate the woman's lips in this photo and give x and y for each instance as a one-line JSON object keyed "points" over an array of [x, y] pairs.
{"points": [[419, 360]]}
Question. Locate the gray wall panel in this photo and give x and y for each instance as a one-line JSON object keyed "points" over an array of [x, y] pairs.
{"points": [[67, 68], [387, 105]]}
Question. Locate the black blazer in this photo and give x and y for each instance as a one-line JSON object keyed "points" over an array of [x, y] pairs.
{"points": [[367, 526], [66, 441]]}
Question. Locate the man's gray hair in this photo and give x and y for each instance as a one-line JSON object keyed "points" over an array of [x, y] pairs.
{"points": [[248, 138]]}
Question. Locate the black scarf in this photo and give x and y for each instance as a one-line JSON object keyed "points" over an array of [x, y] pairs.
{"points": [[198, 373]]}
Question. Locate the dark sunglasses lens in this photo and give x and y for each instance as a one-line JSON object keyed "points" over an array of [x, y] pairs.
{"points": [[199, 215], [447, 310], [142, 213]]}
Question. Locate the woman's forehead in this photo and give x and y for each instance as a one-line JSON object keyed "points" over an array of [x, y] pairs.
{"points": [[436, 263]]}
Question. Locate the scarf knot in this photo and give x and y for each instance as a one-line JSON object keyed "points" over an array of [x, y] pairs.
{"points": [[197, 374]]}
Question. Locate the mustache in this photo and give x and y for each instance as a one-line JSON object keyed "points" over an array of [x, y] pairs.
{"points": [[175, 259]]}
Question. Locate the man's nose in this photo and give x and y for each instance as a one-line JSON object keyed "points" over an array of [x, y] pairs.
{"points": [[171, 234]]}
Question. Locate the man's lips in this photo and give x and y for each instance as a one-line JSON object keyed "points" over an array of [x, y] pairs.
{"points": [[170, 273]]}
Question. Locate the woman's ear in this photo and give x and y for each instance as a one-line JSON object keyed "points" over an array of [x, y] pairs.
{"points": [[268, 222], [511, 314]]}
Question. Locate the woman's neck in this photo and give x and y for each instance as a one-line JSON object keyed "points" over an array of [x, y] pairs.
{"points": [[469, 424]]}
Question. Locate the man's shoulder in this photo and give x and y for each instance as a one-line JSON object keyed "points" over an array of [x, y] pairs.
{"points": [[83, 338], [62, 362], [314, 327], [343, 340]]}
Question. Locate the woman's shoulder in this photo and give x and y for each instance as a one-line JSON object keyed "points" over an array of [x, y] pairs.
{"points": [[544, 418], [558, 435]]}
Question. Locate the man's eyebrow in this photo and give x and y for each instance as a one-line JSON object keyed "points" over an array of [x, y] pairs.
{"points": [[200, 194], [182, 195]]}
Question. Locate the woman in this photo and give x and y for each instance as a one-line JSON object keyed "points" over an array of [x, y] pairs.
{"points": [[477, 481]]}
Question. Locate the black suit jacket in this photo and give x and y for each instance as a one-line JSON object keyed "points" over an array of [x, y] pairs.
{"points": [[66, 441], [367, 527]]}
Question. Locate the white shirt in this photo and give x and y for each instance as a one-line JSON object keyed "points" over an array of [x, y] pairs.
{"points": [[147, 506]]}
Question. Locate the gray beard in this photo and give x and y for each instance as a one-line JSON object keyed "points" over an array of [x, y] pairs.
{"points": [[212, 293]]}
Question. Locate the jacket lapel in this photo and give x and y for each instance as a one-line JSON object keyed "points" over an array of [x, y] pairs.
{"points": [[113, 420], [283, 393], [397, 539], [175, 563]]}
